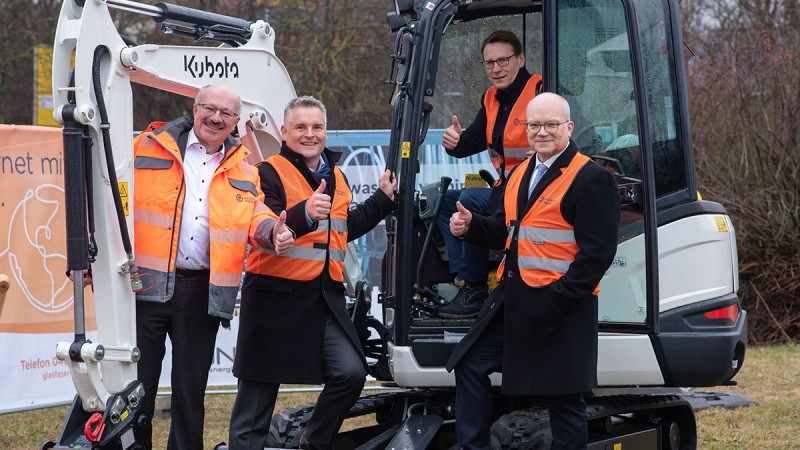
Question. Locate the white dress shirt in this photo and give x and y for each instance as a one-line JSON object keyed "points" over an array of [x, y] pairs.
{"points": [[198, 169]]}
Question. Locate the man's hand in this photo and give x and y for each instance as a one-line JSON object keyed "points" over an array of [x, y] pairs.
{"points": [[282, 237], [318, 206], [452, 134], [460, 220], [388, 183]]}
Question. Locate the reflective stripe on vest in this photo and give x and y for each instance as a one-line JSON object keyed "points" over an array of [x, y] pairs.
{"points": [[306, 259], [515, 136], [545, 241]]}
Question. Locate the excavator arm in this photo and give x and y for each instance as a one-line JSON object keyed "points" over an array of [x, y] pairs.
{"points": [[93, 101]]}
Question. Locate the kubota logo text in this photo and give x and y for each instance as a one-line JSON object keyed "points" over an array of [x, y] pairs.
{"points": [[207, 67]]}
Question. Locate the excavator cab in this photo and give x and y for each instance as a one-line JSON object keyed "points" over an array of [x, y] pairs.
{"points": [[669, 312]]}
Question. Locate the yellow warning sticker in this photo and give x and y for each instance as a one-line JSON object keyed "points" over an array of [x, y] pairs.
{"points": [[473, 180], [722, 227], [618, 446], [123, 195], [406, 150]]}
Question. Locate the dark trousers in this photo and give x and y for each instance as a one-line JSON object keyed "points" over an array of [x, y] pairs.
{"points": [[193, 334], [469, 262], [344, 380], [474, 407]]}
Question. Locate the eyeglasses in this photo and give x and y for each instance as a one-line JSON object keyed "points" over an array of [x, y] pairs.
{"points": [[502, 62], [224, 113], [550, 127]]}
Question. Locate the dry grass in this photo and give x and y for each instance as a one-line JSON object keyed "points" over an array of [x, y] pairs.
{"points": [[769, 376]]}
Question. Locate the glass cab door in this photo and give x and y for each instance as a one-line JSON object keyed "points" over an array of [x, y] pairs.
{"points": [[618, 75]]}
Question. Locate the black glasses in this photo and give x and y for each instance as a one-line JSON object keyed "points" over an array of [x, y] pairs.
{"points": [[502, 62], [550, 127], [224, 113]]}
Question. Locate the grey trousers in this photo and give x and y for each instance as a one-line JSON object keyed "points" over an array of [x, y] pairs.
{"points": [[344, 380]]}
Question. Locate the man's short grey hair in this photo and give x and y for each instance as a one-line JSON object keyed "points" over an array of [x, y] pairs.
{"points": [[305, 101], [201, 93]]}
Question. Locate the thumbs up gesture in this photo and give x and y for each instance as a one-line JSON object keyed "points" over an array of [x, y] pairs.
{"points": [[318, 206], [452, 134], [460, 220], [282, 237]]}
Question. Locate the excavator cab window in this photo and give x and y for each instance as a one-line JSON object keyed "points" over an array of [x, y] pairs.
{"points": [[595, 73], [620, 79]]}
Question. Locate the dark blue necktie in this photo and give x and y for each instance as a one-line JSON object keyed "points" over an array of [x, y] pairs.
{"points": [[540, 170]]}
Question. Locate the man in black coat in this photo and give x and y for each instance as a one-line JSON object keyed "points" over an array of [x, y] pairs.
{"points": [[559, 221], [294, 327]]}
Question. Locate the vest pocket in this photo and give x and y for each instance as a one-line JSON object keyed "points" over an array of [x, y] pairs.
{"points": [[149, 162], [244, 185]]}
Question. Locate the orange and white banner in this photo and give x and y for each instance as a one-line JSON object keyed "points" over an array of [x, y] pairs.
{"points": [[37, 312]]}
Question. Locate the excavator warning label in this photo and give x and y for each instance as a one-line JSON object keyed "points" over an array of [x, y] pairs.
{"points": [[123, 195], [722, 227], [406, 149]]}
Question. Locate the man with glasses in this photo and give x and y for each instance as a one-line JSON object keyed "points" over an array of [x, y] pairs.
{"points": [[197, 204], [499, 127], [558, 221]]}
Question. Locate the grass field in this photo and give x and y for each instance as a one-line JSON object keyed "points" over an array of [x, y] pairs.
{"points": [[769, 376]]}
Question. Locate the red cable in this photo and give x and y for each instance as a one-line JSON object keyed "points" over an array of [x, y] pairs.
{"points": [[93, 430]]}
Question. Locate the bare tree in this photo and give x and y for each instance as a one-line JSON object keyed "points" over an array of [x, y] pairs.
{"points": [[745, 101], [337, 50], [26, 23]]}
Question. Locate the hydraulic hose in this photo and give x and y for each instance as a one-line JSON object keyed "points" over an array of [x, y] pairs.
{"points": [[136, 283]]}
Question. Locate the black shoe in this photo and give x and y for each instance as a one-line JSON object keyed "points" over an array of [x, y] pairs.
{"points": [[466, 304]]}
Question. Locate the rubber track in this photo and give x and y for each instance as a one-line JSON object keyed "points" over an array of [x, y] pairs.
{"points": [[288, 424], [530, 429]]}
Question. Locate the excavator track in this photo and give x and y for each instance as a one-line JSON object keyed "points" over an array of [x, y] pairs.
{"points": [[288, 424], [668, 418]]}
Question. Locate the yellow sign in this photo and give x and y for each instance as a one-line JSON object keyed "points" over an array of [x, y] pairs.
{"points": [[406, 149], [722, 227], [618, 446], [473, 180], [123, 195], [43, 103]]}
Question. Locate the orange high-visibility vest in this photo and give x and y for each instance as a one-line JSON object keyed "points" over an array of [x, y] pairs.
{"points": [[545, 241], [306, 259], [235, 211], [515, 136]]}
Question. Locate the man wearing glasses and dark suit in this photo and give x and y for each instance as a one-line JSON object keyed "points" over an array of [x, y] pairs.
{"points": [[499, 127]]}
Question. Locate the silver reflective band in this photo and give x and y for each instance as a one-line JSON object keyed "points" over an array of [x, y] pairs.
{"points": [[336, 224], [530, 262], [536, 234], [310, 254], [339, 225], [519, 153], [337, 255]]}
